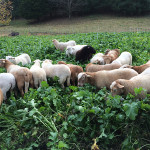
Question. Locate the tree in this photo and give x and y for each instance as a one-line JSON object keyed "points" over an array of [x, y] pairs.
{"points": [[5, 12]]}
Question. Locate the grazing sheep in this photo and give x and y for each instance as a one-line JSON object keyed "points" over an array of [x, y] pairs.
{"points": [[111, 55], [22, 75], [85, 53], [98, 59], [60, 70], [124, 58], [104, 78], [38, 73], [63, 45], [94, 68], [123, 87], [7, 83], [75, 70], [23, 58], [72, 50], [1, 97], [139, 69]]}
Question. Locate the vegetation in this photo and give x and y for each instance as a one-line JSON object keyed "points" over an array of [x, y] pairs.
{"points": [[53, 8], [54, 118]]}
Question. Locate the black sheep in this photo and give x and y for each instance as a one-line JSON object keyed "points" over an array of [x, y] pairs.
{"points": [[85, 53]]}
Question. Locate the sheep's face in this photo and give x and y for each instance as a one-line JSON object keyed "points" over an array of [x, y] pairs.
{"points": [[81, 79], [2, 62], [11, 59], [107, 59], [116, 88]]}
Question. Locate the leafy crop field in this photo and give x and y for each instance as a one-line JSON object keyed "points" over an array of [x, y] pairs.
{"points": [[54, 118]]}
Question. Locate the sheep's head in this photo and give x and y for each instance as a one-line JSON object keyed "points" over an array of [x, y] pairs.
{"points": [[107, 59], [48, 61], [82, 78], [116, 88], [2, 62], [11, 59]]}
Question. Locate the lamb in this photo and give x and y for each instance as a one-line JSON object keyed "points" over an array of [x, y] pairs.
{"points": [[85, 53], [75, 70], [124, 58], [23, 58], [22, 75], [72, 50], [7, 83], [38, 73], [98, 59], [111, 55], [94, 67], [123, 87], [63, 45], [104, 78], [60, 70], [1, 97], [139, 69]]}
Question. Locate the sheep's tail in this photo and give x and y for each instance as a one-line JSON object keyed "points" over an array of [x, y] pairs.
{"points": [[68, 81]]}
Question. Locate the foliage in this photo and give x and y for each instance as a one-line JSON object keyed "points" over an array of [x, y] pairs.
{"points": [[70, 118], [5, 12]]}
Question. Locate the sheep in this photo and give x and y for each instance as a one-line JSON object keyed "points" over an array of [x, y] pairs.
{"points": [[72, 50], [75, 70], [123, 87], [124, 58], [60, 70], [38, 73], [63, 45], [111, 55], [104, 78], [23, 58], [98, 59], [94, 67], [22, 75], [7, 83], [1, 97], [139, 69], [85, 53]]}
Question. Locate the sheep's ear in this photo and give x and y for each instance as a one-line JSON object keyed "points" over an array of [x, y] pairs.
{"points": [[88, 76], [120, 86]]}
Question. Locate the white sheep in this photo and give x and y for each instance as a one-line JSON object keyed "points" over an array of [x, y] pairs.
{"points": [[104, 78], [23, 58], [72, 50], [7, 83], [124, 58], [98, 59], [60, 70], [63, 45], [38, 73], [123, 87]]}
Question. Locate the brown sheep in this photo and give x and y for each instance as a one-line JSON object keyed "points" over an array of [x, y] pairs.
{"points": [[75, 70], [1, 97], [111, 55], [139, 69], [22, 75], [104, 78], [94, 67]]}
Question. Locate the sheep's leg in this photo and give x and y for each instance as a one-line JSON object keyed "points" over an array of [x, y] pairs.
{"points": [[26, 87], [68, 81], [62, 81], [20, 84], [4, 96]]}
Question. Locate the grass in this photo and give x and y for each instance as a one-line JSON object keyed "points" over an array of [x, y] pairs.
{"points": [[93, 23]]}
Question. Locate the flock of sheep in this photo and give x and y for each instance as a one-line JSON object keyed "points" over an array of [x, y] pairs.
{"points": [[111, 70]]}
